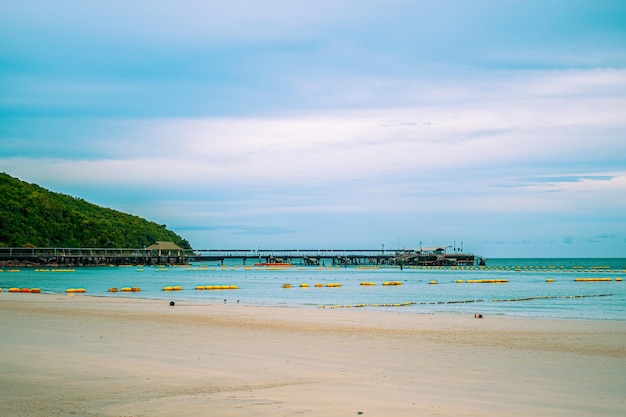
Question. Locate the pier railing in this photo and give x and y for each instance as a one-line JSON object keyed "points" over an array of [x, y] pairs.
{"points": [[117, 256], [263, 253], [91, 256], [106, 252]]}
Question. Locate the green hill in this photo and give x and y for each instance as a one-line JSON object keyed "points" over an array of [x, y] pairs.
{"points": [[33, 216]]}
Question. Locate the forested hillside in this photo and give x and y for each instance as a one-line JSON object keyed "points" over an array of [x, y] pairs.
{"points": [[33, 216]]}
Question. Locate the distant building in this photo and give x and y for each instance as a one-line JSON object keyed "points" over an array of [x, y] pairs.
{"points": [[435, 250], [436, 256], [166, 248]]}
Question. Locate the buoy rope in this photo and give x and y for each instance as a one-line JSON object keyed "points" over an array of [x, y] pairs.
{"points": [[542, 297], [407, 303]]}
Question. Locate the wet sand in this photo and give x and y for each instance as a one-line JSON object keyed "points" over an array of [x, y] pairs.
{"points": [[94, 356]]}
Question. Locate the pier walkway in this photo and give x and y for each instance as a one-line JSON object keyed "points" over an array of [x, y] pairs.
{"points": [[298, 256], [342, 257], [91, 256], [304, 257]]}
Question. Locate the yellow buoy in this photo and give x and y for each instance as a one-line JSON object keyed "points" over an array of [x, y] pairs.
{"points": [[168, 288], [549, 280], [176, 288], [113, 289], [286, 285], [200, 287], [432, 282], [304, 285]]}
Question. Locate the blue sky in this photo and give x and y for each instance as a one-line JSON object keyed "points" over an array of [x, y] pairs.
{"points": [[329, 124]]}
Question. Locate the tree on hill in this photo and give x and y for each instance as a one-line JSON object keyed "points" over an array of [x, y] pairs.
{"points": [[33, 216]]}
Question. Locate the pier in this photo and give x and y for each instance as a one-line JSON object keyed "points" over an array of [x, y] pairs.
{"points": [[66, 257], [433, 256]]}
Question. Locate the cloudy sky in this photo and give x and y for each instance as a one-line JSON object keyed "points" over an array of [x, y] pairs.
{"points": [[329, 124]]}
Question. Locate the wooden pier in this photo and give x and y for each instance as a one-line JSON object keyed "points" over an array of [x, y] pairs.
{"points": [[436, 256], [90, 257]]}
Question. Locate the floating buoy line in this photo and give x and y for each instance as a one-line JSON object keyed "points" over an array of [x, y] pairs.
{"points": [[593, 279], [409, 303], [544, 297], [406, 303]]}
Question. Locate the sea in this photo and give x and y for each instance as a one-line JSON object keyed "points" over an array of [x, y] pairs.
{"points": [[573, 288]]}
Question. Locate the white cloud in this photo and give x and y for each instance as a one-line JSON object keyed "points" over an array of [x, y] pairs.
{"points": [[511, 130]]}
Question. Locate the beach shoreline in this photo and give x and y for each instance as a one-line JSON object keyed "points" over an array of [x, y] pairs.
{"points": [[106, 356]]}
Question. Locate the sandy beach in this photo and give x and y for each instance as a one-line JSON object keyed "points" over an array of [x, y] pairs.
{"points": [[88, 356]]}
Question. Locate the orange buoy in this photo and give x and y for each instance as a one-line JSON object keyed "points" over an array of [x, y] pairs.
{"points": [[35, 290], [113, 289]]}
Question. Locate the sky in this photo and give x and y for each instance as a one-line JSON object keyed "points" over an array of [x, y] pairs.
{"points": [[496, 127]]}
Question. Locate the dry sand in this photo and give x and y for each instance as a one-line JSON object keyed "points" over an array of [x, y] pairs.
{"points": [[90, 356]]}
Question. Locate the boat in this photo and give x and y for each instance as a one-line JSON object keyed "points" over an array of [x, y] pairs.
{"points": [[274, 264]]}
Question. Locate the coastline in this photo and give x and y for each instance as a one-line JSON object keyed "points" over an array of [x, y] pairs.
{"points": [[100, 356]]}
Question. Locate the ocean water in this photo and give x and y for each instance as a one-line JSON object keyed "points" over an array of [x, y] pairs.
{"points": [[525, 293]]}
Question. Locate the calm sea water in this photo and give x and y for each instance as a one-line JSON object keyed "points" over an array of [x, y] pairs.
{"points": [[527, 292]]}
